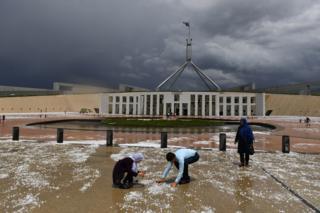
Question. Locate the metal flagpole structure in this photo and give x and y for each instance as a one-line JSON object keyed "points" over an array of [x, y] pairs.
{"points": [[209, 83]]}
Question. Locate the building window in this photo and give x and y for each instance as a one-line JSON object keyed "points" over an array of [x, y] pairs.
{"points": [[236, 100], [206, 106], [253, 110], [228, 110], [110, 99], [253, 100], [244, 110], [192, 105], [131, 99], [130, 109], [213, 103], [124, 99], [154, 104], [221, 99], [236, 110], [221, 110], [176, 108], [176, 97], [124, 109], [161, 104], [117, 109], [110, 109], [148, 105], [117, 99], [228, 100], [200, 105], [244, 100]]}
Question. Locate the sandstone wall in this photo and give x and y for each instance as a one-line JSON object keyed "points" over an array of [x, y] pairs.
{"points": [[51, 103], [300, 105]]}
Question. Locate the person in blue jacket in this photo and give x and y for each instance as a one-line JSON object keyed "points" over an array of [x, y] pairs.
{"points": [[181, 159], [245, 139]]}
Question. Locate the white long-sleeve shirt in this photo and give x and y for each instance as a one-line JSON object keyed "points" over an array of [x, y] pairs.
{"points": [[181, 155]]}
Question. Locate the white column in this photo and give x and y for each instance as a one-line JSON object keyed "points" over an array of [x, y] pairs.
{"points": [[145, 105], [203, 104], [151, 104], [240, 106], [224, 106], [217, 105], [232, 105], [210, 105], [120, 105], [188, 100], [196, 105], [249, 105], [134, 105], [113, 105], [158, 104]]}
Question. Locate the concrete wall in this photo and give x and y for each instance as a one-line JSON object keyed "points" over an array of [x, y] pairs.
{"points": [[205, 103], [300, 105], [52, 103]]}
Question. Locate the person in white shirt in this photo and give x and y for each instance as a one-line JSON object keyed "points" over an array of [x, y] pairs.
{"points": [[181, 159]]}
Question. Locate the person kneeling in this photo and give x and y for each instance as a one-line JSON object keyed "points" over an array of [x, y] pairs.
{"points": [[124, 171], [181, 159]]}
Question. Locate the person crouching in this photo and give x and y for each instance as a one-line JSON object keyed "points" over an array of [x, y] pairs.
{"points": [[181, 159], [125, 169]]}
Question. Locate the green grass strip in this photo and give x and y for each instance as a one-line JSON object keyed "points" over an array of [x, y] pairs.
{"points": [[161, 123]]}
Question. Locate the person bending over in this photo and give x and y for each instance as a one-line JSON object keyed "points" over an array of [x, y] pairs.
{"points": [[125, 169], [181, 159]]}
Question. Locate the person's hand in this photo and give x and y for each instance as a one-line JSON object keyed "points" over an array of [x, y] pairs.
{"points": [[141, 173], [174, 184], [162, 180]]}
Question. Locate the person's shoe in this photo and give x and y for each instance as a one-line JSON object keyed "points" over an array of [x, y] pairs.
{"points": [[115, 186], [184, 181], [126, 186], [241, 165], [247, 164]]}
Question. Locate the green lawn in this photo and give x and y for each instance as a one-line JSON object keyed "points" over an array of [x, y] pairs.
{"points": [[161, 123]]}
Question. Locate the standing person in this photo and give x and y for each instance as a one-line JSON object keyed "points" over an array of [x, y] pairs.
{"points": [[181, 159], [125, 169], [245, 139], [308, 122]]}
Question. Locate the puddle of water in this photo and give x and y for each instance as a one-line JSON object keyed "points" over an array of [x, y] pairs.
{"points": [[45, 177]]}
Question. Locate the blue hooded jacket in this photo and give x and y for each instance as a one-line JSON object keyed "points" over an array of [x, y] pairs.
{"points": [[244, 136], [245, 131]]}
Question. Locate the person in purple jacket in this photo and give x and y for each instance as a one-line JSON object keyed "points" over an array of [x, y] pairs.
{"points": [[125, 169], [181, 159]]}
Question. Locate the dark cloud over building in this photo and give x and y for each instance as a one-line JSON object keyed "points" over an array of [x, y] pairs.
{"points": [[140, 42]]}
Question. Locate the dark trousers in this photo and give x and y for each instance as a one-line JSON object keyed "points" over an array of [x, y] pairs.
{"points": [[187, 161], [123, 180], [244, 158], [122, 177]]}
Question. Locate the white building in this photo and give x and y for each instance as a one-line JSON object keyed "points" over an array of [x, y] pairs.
{"points": [[204, 104], [172, 100]]}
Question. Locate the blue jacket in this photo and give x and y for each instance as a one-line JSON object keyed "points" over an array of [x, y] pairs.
{"points": [[244, 137]]}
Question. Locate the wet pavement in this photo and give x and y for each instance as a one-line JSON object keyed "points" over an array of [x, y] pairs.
{"points": [[302, 139], [50, 177]]}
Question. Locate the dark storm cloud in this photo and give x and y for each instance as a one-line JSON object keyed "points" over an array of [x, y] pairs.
{"points": [[141, 42]]}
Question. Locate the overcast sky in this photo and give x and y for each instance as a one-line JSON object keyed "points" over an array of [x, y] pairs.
{"points": [[141, 42]]}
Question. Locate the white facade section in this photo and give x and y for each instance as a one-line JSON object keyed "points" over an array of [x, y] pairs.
{"points": [[203, 104]]}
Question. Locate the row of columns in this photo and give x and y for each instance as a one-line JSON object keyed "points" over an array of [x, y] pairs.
{"points": [[140, 106]]}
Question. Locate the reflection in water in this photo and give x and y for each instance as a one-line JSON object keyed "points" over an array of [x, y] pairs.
{"points": [[98, 126], [243, 185]]}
